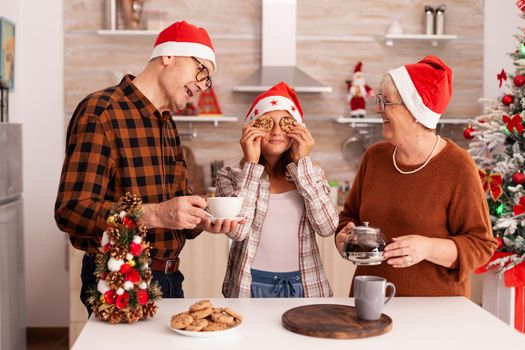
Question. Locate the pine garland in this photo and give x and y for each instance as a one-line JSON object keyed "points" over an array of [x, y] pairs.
{"points": [[125, 291], [498, 148]]}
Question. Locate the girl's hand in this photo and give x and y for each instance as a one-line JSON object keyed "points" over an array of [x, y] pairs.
{"points": [[251, 142], [303, 142]]}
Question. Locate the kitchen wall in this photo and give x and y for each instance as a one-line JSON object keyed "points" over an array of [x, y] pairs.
{"points": [[501, 23], [37, 102], [325, 50]]}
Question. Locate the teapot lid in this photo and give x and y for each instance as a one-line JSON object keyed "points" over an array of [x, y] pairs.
{"points": [[366, 229]]}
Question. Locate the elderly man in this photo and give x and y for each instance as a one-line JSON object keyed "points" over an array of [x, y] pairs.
{"points": [[122, 139]]}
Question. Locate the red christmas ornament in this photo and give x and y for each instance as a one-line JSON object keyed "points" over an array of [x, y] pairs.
{"points": [[518, 178], [133, 276], [507, 100], [125, 268], [500, 242], [122, 300], [128, 223], [519, 80], [142, 296], [107, 248], [135, 249], [468, 133], [110, 296]]}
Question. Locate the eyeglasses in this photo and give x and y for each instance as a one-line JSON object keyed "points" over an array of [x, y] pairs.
{"points": [[202, 74], [382, 102]]}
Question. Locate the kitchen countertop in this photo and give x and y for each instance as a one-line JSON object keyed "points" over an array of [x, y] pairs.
{"points": [[418, 323]]}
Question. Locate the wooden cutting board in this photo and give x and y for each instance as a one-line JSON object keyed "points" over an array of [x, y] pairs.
{"points": [[333, 321]]}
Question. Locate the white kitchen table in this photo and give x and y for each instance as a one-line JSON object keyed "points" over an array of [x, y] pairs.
{"points": [[418, 323]]}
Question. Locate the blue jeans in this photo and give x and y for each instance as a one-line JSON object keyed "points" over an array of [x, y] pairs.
{"points": [[170, 284], [266, 284]]}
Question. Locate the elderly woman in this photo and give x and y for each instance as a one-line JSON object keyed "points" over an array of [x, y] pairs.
{"points": [[423, 191]]}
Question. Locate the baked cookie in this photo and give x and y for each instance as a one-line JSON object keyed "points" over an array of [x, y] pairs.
{"points": [[232, 313], [264, 122], [215, 326], [222, 317], [200, 314], [286, 124], [196, 326], [200, 305], [181, 321]]}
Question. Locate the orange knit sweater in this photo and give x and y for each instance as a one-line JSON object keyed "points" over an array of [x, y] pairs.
{"points": [[443, 200]]}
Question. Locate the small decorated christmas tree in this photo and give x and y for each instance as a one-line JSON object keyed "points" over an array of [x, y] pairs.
{"points": [[125, 291]]}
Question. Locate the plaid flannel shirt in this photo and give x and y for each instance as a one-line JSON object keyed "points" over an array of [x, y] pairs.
{"points": [[118, 142], [320, 216]]}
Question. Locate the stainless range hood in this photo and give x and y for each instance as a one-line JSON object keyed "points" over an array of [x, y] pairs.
{"points": [[278, 59]]}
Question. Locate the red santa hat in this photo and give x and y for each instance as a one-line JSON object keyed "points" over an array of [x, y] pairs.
{"points": [[184, 39], [425, 87], [358, 69], [281, 97]]}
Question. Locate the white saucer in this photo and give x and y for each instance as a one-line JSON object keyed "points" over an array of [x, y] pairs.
{"points": [[213, 219]]}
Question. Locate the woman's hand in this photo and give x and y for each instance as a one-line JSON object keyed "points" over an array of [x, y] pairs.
{"points": [[341, 236], [251, 142], [303, 142], [408, 250]]}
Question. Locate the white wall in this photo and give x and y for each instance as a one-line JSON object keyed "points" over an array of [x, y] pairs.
{"points": [[501, 23], [37, 103]]}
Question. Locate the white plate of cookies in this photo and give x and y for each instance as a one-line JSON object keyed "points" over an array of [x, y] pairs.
{"points": [[204, 320]]}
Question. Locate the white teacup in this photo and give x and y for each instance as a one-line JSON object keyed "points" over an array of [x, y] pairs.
{"points": [[225, 207]]}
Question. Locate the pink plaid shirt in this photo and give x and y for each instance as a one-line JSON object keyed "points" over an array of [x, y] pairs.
{"points": [[320, 216]]}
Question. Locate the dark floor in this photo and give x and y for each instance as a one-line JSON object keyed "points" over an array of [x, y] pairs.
{"points": [[47, 339]]}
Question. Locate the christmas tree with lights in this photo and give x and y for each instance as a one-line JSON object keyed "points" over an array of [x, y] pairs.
{"points": [[498, 148]]}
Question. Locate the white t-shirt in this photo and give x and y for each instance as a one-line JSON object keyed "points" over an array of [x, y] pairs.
{"points": [[278, 249]]}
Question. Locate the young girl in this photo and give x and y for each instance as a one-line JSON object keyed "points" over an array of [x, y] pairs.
{"points": [[286, 202]]}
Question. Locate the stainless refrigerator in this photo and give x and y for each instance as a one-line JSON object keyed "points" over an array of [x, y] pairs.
{"points": [[12, 291]]}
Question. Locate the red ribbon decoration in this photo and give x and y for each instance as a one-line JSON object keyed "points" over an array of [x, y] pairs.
{"points": [[492, 183], [513, 123], [502, 76], [521, 4], [513, 278], [519, 208]]}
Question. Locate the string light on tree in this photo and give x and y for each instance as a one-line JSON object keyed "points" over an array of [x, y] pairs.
{"points": [[522, 49]]}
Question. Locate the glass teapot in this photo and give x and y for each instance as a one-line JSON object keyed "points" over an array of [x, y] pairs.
{"points": [[365, 245]]}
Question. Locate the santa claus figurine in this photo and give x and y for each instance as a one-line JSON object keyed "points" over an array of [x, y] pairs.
{"points": [[358, 91]]}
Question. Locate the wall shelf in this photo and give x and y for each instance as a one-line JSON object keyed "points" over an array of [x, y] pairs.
{"points": [[360, 122], [204, 119], [128, 32], [433, 39]]}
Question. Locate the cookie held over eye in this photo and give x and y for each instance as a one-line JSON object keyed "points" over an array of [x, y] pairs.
{"points": [[286, 124], [264, 122]]}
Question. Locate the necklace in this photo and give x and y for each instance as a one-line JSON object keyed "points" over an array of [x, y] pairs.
{"points": [[422, 166]]}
